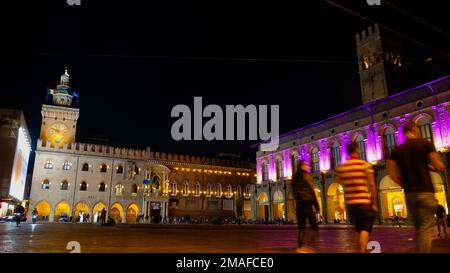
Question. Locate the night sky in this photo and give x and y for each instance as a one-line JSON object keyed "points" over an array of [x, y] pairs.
{"points": [[132, 62]]}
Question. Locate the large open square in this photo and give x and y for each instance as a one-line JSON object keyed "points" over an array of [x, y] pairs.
{"points": [[53, 238]]}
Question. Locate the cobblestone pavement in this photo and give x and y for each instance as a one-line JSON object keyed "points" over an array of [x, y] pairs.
{"points": [[53, 238]]}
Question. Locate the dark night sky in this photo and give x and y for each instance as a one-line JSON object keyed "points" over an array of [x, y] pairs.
{"points": [[132, 62]]}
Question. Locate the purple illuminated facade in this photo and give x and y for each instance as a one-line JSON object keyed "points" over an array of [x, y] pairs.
{"points": [[428, 105]]}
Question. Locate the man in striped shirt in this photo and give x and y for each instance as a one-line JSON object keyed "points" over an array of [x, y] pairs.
{"points": [[357, 178]]}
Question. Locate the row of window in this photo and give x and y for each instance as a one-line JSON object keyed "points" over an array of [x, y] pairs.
{"points": [[118, 188], [389, 143], [102, 168], [218, 191]]}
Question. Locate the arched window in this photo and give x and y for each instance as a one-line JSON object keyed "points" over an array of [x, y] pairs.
{"points": [[85, 167], [67, 166], [136, 170], [185, 190], [45, 185], [83, 186], [218, 189], [118, 189], [134, 190], [120, 169], [362, 146], [173, 188], [197, 189], [229, 192], [48, 164], [335, 154], [389, 141], [279, 168], [102, 187], [424, 124], [103, 168], [64, 185], [265, 171], [208, 190], [314, 159]]}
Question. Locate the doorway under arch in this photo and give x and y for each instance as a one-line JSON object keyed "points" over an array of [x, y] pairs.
{"points": [[81, 209], [132, 213], [61, 209], [336, 208], [392, 199], [96, 211], [44, 210], [263, 206], [116, 212]]}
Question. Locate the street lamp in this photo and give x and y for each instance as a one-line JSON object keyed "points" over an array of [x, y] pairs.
{"points": [[325, 216]]}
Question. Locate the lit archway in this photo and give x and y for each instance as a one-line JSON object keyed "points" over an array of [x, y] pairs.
{"points": [[96, 211], [392, 199], [81, 209], [62, 210], [44, 210], [263, 206], [132, 213], [116, 212], [439, 190], [278, 206], [336, 209]]}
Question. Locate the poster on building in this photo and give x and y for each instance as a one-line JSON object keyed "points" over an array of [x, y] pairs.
{"points": [[20, 166]]}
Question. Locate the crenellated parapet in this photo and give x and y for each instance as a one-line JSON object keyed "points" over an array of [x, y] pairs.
{"points": [[364, 36], [93, 149]]}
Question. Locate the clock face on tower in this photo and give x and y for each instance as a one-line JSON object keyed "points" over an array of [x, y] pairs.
{"points": [[57, 132]]}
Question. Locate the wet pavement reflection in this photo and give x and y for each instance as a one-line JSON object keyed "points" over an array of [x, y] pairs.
{"points": [[53, 238]]}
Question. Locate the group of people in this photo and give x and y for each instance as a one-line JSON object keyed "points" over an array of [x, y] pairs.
{"points": [[409, 166]]}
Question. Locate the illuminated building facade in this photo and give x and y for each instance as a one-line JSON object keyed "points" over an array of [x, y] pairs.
{"points": [[15, 148], [376, 126], [76, 179]]}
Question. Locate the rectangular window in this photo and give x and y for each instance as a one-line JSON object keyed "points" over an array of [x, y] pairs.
{"points": [[389, 144], [265, 172], [336, 160], [314, 162], [362, 150]]}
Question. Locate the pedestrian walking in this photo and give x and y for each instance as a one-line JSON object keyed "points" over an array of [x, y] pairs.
{"points": [[306, 201], [103, 216], [358, 180], [410, 166], [440, 219]]}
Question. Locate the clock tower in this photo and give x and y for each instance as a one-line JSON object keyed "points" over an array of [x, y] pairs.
{"points": [[380, 64], [59, 117]]}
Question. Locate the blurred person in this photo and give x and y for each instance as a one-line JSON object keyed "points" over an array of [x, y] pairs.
{"points": [[358, 180], [305, 199], [410, 166]]}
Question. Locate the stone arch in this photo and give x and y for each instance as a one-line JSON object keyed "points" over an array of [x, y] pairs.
{"points": [[116, 212], [439, 189], [61, 209], [263, 206], [80, 207], [44, 210], [132, 213], [388, 192], [336, 208], [96, 211]]}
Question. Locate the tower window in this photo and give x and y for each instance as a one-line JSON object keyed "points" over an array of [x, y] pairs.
{"points": [[85, 167], [103, 168], [134, 190], [120, 169], [102, 187]]}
